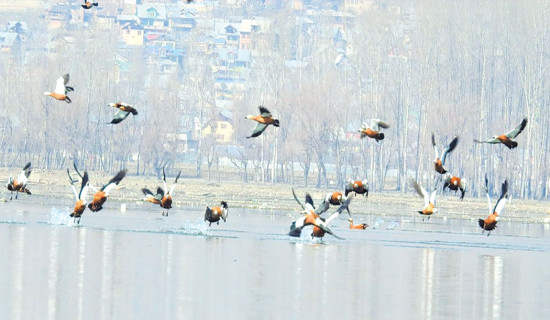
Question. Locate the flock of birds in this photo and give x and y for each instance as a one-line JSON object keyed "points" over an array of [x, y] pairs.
{"points": [[311, 215]]}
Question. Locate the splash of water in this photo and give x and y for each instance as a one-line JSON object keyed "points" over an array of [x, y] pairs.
{"points": [[60, 217], [377, 223]]}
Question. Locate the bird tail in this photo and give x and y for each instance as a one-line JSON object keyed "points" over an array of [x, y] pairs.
{"points": [[481, 223], [380, 136], [95, 4], [275, 122]]}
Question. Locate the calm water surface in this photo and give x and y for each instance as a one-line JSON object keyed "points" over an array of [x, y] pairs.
{"points": [[139, 265]]}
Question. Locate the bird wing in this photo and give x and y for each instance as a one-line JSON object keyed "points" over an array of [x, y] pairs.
{"points": [[165, 188], [113, 182], [173, 187], [487, 193], [84, 187], [421, 191], [342, 207], [514, 133], [296, 227], [325, 205], [297, 200], [374, 124], [432, 196], [502, 199], [60, 85], [22, 177], [65, 79], [119, 116], [160, 194], [494, 140], [448, 149], [435, 146], [264, 112], [260, 128]]}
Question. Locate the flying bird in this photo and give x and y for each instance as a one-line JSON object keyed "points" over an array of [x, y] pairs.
{"points": [[440, 162], [506, 139], [101, 195], [88, 4], [320, 225], [429, 199], [264, 119], [20, 184], [80, 196], [163, 197], [215, 213], [490, 223], [123, 111], [359, 187], [61, 89], [455, 183], [373, 131]]}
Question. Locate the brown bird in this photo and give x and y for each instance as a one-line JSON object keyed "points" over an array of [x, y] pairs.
{"points": [[163, 197], [455, 183], [440, 162], [264, 119], [215, 213], [359, 187], [361, 226], [123, 111], [506, 139], [101, 195], [88, 4], [61, 89], [490, 223], [374, 130], [80, 196], [429, 199], [20, 184]]}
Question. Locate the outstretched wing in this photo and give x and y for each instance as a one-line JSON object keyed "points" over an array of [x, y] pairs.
{"points": [[22, 177], [514, 133], [84, 187], [113, 182], [487, 193], [296, 227], [421, 191], [325, 205], [376, 124], [493, 141], [297, 200], [260, 128], [173, 187], [60, 85], [502, 199], [435, 146], [264, 112], [160, 194], [165, 187], [119, 116], [449, 149], [432, 196], [342, 207]]}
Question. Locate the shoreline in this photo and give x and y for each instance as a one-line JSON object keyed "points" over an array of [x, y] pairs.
{"points": [[195, 192]]}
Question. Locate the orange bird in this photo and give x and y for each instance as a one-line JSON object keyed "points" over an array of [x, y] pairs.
{"points": [[352, 226], [490, 223], [123, 111], [88, 4], [374, 130], [61, 89], [20, 184], [455, 183], [429, 199], [264, 119], [440, 162], [360, 187], [320, 225], [80, 196], [163, 197], [215, 213], [506, 139], [101, 195]]}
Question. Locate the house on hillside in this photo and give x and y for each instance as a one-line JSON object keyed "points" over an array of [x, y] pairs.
{"points": [[19, 27], [221, 128], [10, 46], [132, 34], [152, 16]]}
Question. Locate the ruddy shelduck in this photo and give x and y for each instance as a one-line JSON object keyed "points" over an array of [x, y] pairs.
{"points": [[373, 131], [440, 162], [123, 111], [20, 183], [100, 196], [455, 183], [88, 4], [163, 197], [506, 139], [80, 197], [359, 187], [264, 119], [490, 223], [429, 199], [61, 89], [361, 226], [216, 212]]}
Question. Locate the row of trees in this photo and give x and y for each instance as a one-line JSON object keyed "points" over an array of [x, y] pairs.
{"points": [[452, 68]]}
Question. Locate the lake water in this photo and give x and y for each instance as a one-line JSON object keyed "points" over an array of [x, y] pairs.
{"points": [[140, 265]]}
